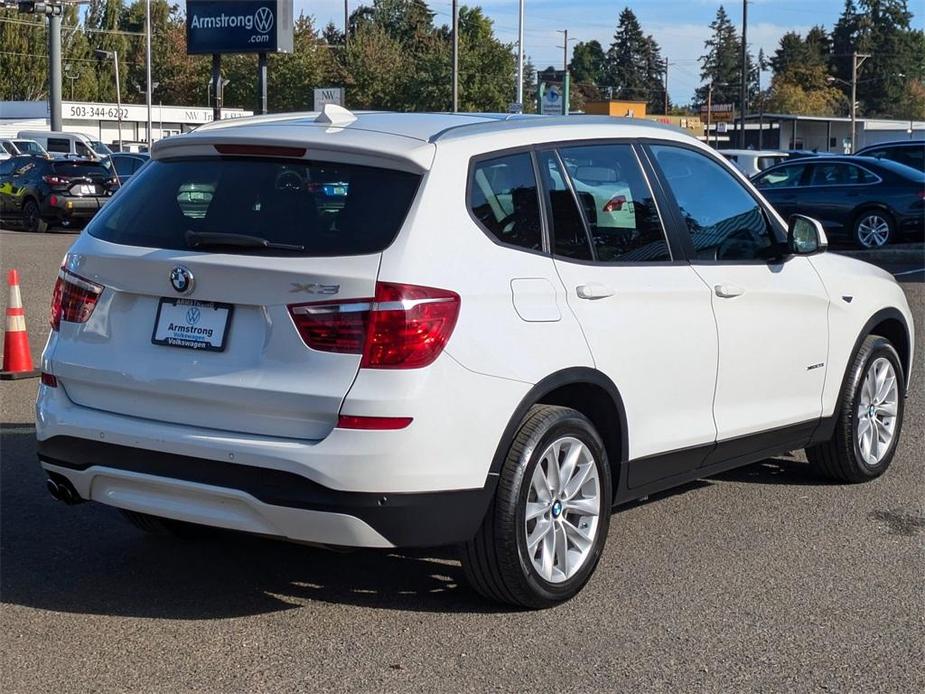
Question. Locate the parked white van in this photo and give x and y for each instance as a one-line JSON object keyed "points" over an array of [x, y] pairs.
{"points": [[753, 161], [61, 144]]}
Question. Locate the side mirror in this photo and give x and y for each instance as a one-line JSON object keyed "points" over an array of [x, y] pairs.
{"points": [[806, 235]]}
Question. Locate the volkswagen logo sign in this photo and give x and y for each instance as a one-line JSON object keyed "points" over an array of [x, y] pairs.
{"points": [[182, 280], [263, 20]]}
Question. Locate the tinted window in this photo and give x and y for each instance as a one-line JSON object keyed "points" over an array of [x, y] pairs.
{"points": [[8, 148], [570, 239], [73, 169], [725, 222], [323, 208], [913, 156], [619, 207], [504, 198], [767, 162], [836, 174], [783, 177], [125, 166], [57, 144], [27, 146]]}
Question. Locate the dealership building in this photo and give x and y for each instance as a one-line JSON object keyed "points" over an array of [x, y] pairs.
{"points": [[100, 121]]}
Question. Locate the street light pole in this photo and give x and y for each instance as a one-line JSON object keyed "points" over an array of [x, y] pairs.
{"points": [[115, 57], [520, 56], [148, 68], [455, 56], [743, 87]]}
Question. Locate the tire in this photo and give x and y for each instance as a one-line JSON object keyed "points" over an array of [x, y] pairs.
{"points": [[874, 229], [843, 458], [155, 525], [497, 561], [32, 217]]}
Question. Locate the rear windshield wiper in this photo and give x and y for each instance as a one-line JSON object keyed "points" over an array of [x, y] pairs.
{"points": [[206, 239]]}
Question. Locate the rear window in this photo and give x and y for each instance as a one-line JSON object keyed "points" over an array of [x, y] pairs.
{"points": [[767, 162], [80, 169], [301, 207]]}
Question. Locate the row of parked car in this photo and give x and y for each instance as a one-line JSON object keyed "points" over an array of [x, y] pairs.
{"points": [[870, 199], [52, 179]]}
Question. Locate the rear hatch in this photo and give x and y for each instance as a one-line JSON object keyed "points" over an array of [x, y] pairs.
{"points": [[83, 179], [198, 263]]}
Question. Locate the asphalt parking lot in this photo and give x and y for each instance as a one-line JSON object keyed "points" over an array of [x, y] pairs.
{"points": [[762, 579]]}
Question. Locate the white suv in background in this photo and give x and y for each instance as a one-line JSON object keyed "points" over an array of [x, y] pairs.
{"points": [[394, 330]]}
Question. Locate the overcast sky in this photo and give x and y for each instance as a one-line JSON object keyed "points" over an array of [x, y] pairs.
{"points": [[679, 26]]}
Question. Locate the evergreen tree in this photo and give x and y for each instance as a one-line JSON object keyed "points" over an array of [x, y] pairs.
{"points": [[626, 70], [722, 62]]}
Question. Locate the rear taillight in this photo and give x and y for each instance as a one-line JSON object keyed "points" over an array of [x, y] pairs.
{"points": [[74, 299], [615, 204], [403, 327], [55, 180]]}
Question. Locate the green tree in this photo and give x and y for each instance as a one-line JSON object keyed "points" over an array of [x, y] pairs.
{"points": [[587, 65], [625, 70], [102, 21], [721, 63]]}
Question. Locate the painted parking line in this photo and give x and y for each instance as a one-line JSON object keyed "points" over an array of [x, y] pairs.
{"points": [[908, 272]]}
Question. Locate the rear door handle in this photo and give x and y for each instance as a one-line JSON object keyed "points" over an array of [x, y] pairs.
{"points": [[593, 290], [728, 291]]}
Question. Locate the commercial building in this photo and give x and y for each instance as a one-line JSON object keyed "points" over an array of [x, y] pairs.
{"points": [[819, 133], [101, 121]]}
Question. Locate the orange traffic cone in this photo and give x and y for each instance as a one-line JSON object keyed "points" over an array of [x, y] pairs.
{"points": [[17, 360]]}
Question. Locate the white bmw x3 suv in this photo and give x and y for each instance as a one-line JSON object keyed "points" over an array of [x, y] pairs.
{"points": [[397, 330]]}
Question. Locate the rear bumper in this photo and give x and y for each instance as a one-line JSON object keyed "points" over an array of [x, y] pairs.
{"points": [[259, 500], [73, 208]]}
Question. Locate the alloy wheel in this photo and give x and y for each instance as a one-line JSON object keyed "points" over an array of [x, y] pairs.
{"points": [[876, 413], [562, 512], [873, 231]]}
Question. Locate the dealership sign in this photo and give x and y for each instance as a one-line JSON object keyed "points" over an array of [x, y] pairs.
{"points": [[238, 26]]}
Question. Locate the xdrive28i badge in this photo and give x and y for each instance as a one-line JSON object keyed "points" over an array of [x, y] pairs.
{"points": [[182, 280]]}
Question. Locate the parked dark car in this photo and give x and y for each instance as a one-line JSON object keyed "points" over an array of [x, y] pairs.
{"points": [[871, 202], [127, 164], [908, 153], [54, 192]]}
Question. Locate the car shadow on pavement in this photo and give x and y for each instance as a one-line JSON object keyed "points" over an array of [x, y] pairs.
{"points": [[87, 559], [780, 470]]}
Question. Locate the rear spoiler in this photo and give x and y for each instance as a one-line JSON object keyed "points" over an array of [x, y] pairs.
{"points": [[314, 143]]}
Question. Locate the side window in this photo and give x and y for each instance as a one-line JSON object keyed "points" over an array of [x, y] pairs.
{"points": [[504, 198], [724, 220], [83, 150], [783, 177], [570, 240], [58, 144], [910, 156], [619, 206], [125, 166]]}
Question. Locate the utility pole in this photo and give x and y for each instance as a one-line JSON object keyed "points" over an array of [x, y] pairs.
{"points": [[148, 68], [262, 83], [666, 85], [709, 111], [217, 86], [346, 25], [566, 81], [743, 87], [520, 56], [455, 56], [857, 59]]}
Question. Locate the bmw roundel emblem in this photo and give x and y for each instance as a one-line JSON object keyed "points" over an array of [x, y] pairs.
{"points": [[182, 280]]}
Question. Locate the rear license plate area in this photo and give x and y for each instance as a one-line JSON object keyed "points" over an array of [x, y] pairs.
{"points": [[192, 324]]}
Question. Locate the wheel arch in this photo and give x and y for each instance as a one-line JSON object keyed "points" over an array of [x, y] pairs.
{"points": [[891, 324], [590, 392], [871, 206]]}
